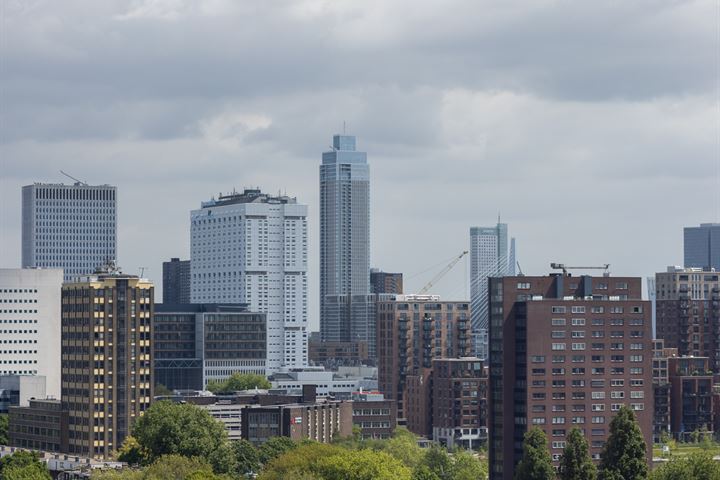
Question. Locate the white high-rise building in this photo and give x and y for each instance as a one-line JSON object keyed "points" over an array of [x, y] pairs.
{"points": [[30, 324], [73, 227], [251, 248]]}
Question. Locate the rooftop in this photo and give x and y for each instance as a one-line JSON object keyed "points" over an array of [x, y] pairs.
{"points": [[249, 195]]}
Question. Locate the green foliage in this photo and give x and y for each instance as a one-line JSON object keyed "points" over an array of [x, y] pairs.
{"points": [[437, 461], [168, 467], [536, 463], [575, 463], [697, 466], [247, 458], [162, 391], [23, 465], [296, 462], [172, 428], [466, 466], [403, 446], [623, 455], [422, 472], [131, 452], [4, 421], [275, 447], [239, 381]]}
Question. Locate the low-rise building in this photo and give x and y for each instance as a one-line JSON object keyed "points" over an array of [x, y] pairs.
{"points": [[691, 403], [40, 426], [376, 417], [329, 384]]}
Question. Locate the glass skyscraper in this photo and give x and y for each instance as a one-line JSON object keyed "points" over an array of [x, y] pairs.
{"points": [[345, 243], [702, 246]]}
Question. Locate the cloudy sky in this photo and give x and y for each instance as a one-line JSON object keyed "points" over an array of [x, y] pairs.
{"points": [[593, 127]]}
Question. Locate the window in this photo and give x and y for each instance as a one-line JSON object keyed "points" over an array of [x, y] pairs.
{"points": [[598, 371], [637, 406], [538, 396], [538, 421], [636, 382], [558, 445], [578, 334], [558, 420], [597, 309], [558, 334], [616, 309], [598, 407], [636, 370], [537, 359], [638, 309], [598, 334], [523, 286], [617, 321], [558, 433], [597, 358], [558, 358], [578, 383], [578, 321], [637, 394], [617, 358], [598, 419], [636, 321], [636, 346], [558, 346], [558, 396], [598, 395], [538, 371], [621, 285], [558, 322], [597, 346], [578, 358], [558, 383], [578, 346], [617, 382], [578, 309], [598, 321], [578, 420], [558, 408], [636, 358], [559, 309], [616, 346], [617, 394], [558, 371]]}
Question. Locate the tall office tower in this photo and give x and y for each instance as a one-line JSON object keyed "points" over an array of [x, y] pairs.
{"points": [[195, 344], [106, 359], [687, 315], [30, 324], [384, 282], [176, 281], [702, 246], [251, 248], [412, 330], [73, 227], [565, 352], [344, 241]]}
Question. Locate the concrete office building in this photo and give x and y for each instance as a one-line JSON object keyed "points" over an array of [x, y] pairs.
{"points": [[251, 248], [73, 227], [106, 382], [345, 244], [412, 330], [702, 246], [30, 324], [688, 312], [384, 282], [198, 343], [17, 390], [565, 351], [489, 257], [176, 281]]}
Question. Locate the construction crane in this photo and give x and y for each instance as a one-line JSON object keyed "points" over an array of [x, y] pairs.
{"points": [[442, 273], [565, 268], [79, 182]]}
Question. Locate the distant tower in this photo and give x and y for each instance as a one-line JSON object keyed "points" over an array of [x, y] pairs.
{"points": [[73, 227], [345, 244], [702, 246], [488, 258]]}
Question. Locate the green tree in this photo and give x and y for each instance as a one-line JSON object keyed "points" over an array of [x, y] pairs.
{"points": [[575, 463], [162, 391], [296, 462], [247, 458], [623, 455], [361, 464], [403, 446], [535, 463], [131, 452], [167, 467], [275, 447], [465, 466], [239, 381], [437, 460], [4, 438], [23, 465], [173, 428], [696, 466], [422, 472]]}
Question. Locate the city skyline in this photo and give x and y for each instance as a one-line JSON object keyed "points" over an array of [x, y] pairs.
{"points": [[455, 133]]}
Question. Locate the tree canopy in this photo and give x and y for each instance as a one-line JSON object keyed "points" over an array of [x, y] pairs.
{"points": [[23, 465], [239, 381], [536, 463], [167, 467], [575, 463], [173, 428], [623, 455], [696, 466]]}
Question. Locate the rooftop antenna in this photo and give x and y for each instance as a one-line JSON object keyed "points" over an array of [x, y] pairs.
{"points": [[78, 182], [142, 271], [343, 127]]}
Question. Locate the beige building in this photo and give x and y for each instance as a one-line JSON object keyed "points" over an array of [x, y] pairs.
{"points": [[106, 359]]}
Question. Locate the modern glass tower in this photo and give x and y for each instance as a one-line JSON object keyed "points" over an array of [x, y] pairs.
{"points": [[702, 246], [344, 241]]}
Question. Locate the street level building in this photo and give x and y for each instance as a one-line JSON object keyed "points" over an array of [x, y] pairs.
{"points": [[30, 324], [565, 352], [106, 359], [195, 344], [375, 416], [72, 227], [176, 281], [688, 312], [251, 248]]}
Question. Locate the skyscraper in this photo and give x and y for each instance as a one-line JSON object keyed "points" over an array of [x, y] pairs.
{"points": [[107, 380], [489, 257], [251, 248], [176, 281], [702, 246], [73, 227], [345, 242]]}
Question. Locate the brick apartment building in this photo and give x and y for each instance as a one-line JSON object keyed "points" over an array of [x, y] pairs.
{"points": [[565, 352]]}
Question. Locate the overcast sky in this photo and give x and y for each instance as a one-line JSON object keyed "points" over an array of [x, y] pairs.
{"points": [[592, 127]]}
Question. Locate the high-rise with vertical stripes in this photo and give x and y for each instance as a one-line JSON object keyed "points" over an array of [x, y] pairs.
{"points": [[345, 244], [73, 227]]}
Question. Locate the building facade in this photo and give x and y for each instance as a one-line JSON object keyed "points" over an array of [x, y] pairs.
{"points": [[691, 396], [375, 416], [251, 248], [489, 257], [345, 242], [40, 425], [176, 281], [30, 324], [661, 385], [384, 282], [199, 343], [17, 390], [687, 312], [459, 406], [702, 246], [565, 352], [412, 330], [73, 227], [106, 364]]}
